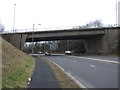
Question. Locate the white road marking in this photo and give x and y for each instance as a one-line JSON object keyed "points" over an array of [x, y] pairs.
{"points": [[71, 77], [57, 65], [92, 65], [95, 59], [76, 81]]}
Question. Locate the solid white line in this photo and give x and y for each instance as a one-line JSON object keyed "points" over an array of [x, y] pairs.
{"points": [[75, 80], [71, 77], [57, 65], [102, 60]]}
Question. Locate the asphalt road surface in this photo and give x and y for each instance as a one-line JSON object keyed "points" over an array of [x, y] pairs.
{"points": [[43, 77], [90, 71]]}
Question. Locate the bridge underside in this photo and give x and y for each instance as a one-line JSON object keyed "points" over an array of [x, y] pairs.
{"points": [[61, 38], [96, 40]]}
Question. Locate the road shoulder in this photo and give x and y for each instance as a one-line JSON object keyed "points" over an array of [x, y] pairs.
{"points": [[63, 79]]}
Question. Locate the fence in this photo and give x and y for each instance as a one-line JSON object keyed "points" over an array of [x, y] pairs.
{"points": [[56, 28]]}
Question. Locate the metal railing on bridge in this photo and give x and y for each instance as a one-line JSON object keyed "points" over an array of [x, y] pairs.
{"points": [[56, 28]]}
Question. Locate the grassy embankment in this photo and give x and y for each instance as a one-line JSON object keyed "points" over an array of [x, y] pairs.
{"points": [[63, 79], [17, 67]]}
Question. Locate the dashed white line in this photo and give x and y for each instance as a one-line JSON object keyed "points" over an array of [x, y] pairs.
{"points": [[92, 65]]}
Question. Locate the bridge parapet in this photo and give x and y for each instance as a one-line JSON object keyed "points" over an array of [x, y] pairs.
{"points": [[82, 27]]}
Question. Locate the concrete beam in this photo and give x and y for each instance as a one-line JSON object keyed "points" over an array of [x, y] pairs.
{"points": [[59, 35]]}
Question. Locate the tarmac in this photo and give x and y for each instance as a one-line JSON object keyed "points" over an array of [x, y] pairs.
{"points": [[43, 76]]}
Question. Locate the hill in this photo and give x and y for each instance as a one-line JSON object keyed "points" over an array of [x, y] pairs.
{"points": [[17, 67]]}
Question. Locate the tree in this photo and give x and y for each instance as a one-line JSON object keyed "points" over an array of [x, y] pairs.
{"points": [[95, 24], [1, 27], [92, 24]]}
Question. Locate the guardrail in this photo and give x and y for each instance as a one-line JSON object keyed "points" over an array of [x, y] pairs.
{"points": [[55, 28]]}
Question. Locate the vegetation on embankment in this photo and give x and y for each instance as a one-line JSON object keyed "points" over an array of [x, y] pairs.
{"points": [[17, 67]]}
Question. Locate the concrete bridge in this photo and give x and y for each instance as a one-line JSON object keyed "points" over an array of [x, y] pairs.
{"points": [[96, 40]]}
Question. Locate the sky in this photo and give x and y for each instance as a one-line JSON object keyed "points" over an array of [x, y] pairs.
{"points": [[55, 13]]}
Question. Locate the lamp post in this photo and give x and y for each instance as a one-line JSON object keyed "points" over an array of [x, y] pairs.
{"points": [[116, 12], [14, 17], [119, 14], [33, 38]]}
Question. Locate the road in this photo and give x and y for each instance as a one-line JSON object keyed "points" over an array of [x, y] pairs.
{"points": [[43, 77], [90, 71]]}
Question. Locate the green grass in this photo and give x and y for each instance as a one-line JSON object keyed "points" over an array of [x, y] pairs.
{"points": [[17, 67], [18, 77]]}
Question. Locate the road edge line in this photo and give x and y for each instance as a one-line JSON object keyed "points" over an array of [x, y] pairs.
{"points": [[71, 77], [95, 59]]}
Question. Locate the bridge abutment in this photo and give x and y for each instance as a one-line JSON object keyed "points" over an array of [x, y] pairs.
{"points": [[107, 43], [93, 44], [17, 40]]}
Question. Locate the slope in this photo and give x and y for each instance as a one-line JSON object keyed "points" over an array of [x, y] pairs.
{"points": [[17, 67]]}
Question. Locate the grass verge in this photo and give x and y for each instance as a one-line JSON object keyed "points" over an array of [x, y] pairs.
{"points": [[16, 76], [63, 79], [17, 67]]}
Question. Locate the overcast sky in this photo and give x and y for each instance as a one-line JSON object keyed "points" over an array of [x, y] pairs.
{"points": [[55, 13]]}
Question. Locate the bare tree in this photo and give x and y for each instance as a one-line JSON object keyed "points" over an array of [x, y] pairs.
{"points": [[95, 24], [1, 27], [92, 24]]}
